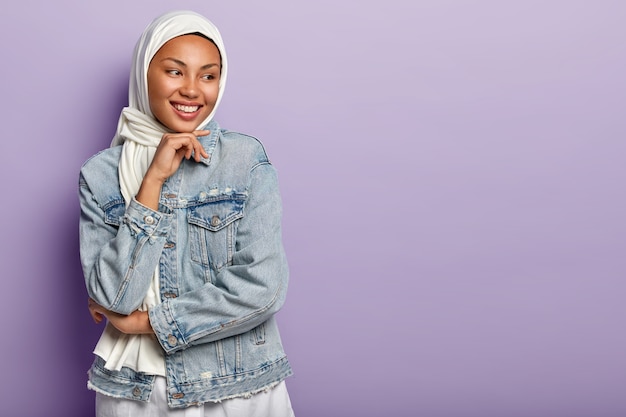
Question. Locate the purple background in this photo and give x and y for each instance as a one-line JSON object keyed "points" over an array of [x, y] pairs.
{"points": [[453, 183]]}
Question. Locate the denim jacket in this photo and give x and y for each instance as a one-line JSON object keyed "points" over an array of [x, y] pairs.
{"points": [[223, 274]]}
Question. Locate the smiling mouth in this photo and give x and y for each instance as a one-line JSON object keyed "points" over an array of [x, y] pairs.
{"points": [[186, 109]]}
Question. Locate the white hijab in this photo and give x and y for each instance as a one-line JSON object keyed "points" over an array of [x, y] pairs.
{"points": [[137, 129], [139, 133]]}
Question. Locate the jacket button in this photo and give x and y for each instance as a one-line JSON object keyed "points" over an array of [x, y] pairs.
{"points": [[149, 219], [136, 392], [178, 396], [171, 339], [215, 221]]}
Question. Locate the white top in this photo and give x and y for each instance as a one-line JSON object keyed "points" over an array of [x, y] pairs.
{"points": [[140, 352]]}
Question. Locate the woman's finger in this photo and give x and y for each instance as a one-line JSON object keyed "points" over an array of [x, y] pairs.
{"points": [[199, 149], [198, 133], [93, 307]]}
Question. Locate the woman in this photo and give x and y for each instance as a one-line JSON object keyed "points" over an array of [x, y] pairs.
{"points": [[180, 243]]}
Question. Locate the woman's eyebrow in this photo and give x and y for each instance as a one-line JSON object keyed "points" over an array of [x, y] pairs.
{"points": [[182, 64], [176, 61]]}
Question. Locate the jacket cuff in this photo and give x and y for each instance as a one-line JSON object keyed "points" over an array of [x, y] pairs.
{"points": [[150, 222], [165, 327]]}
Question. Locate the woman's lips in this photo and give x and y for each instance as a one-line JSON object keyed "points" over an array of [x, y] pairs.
{"points": [[187, 112]]}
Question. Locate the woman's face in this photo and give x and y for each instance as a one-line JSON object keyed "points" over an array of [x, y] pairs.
{"points": [[183, 82]]}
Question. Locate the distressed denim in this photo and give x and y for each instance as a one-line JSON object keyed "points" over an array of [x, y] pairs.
{"points": [[216, 239]]}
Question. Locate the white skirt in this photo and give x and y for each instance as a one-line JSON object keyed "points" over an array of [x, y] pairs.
{"points": [[271, 403]]}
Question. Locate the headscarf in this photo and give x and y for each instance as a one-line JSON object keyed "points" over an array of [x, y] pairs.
{"points": [[137, 128], [139, 133]]}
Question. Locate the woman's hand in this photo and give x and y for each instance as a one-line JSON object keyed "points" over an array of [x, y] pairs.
{"points": [[173, 148], [135, 323], [171, 151]]}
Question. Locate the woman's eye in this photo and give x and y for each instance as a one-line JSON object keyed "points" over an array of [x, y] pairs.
{"points": [[173, 72], [208, 77]]}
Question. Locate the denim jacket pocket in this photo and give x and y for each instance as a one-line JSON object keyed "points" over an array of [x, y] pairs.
{"points": [[113, 212], [212, 230]]}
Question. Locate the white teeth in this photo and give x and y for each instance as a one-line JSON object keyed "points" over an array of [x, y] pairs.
{"points": [[186, 109]]}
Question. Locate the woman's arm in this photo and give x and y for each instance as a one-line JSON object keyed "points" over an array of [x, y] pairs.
{"points": [[118, 260], [136, 322]]}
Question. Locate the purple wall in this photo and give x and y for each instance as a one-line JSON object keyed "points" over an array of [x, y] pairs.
{"points": [[453, 181]]}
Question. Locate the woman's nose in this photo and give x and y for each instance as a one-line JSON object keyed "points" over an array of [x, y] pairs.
{"points": [[189, 88]]}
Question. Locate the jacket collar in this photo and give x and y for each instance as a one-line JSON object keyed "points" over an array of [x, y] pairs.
{"points": [[210, 141]]}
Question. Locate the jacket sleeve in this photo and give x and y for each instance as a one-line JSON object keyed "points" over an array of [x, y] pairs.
{"points": [[119, 248], [250, 290]]}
